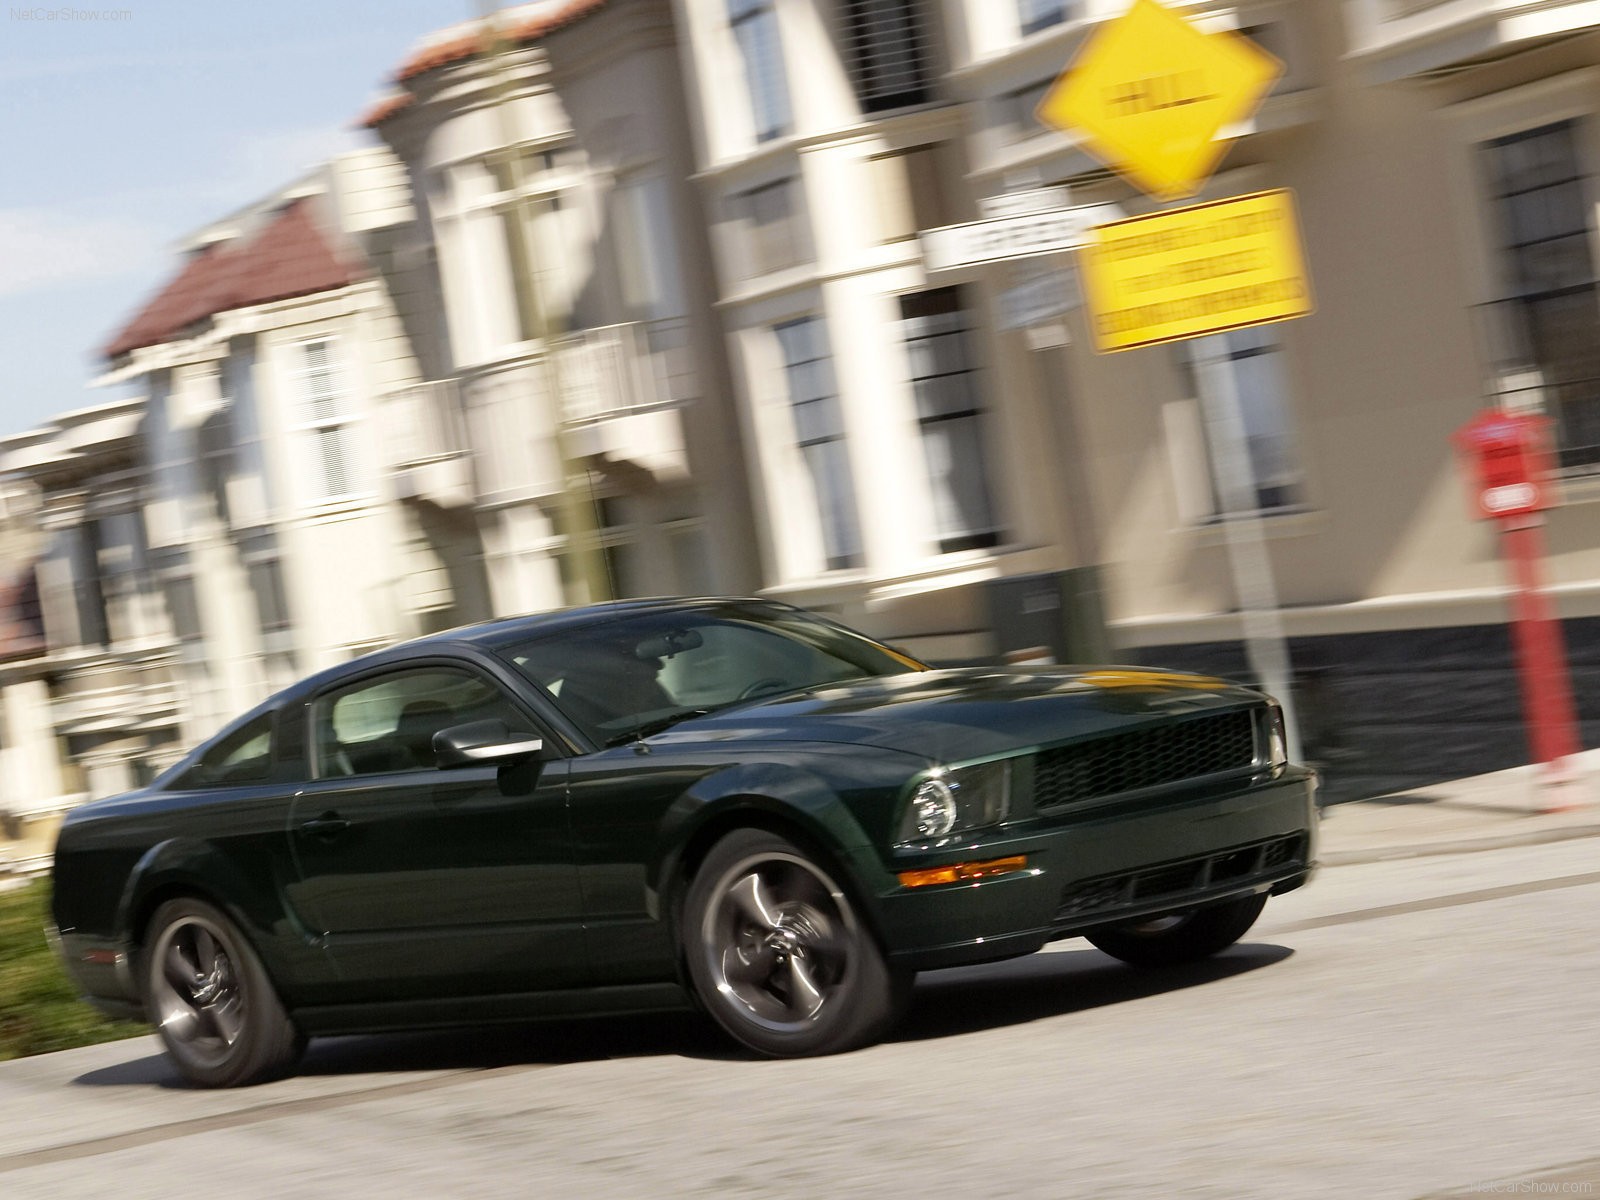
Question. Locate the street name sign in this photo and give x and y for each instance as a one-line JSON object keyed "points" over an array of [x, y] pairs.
{"points": [[1193, 271], [1012, 237], [1149, 92], [1031, 200]]}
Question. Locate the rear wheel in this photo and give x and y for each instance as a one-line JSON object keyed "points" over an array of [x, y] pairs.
{"points": [[212, 1003], [1184, 937], [778, 955]]}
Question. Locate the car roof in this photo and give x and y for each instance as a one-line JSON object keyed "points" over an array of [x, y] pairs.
{"points": [[489, 634], [504, 629], [483, 635]]}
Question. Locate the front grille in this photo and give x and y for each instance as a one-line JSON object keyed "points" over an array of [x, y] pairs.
{"points": [[1125, 762], [1172, 881]]}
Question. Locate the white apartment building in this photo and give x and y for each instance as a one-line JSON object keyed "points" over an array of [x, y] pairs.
{"points": [[89, 663], [274, 495], [578, 299], [283, 378]]}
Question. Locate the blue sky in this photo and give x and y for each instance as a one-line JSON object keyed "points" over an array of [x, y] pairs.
{"points": [[118, 138]]}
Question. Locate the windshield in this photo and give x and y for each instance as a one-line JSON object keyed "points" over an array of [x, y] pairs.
{"points": [[624, 676]]}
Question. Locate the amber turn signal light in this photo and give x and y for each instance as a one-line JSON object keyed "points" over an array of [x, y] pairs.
{"points": [[962, 872]]}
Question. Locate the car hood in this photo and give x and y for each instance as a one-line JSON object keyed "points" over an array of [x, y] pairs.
{"points": [[954, 715]]}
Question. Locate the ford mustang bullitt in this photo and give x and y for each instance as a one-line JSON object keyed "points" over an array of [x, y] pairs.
{"points": [[729, 803]]}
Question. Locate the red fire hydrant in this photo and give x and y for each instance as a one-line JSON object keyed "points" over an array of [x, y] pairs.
{"points": [[1509, 455]]}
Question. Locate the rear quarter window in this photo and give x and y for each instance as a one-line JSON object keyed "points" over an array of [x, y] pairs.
{"points": [[241, 757]]}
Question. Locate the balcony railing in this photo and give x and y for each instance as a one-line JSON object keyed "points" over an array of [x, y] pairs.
{"points": [[616, 370], [422, 423]]}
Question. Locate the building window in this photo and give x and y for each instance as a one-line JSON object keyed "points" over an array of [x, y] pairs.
{"points": [[755, 27], [886, 53], [767, 227], [1034, 15], [264, 572], [819, 429], [648, 271], [937, 333], [1016, 109], [507, 253], [1549, 322], [325, 422], [93, 626], [912, 191], [1253, 360]]}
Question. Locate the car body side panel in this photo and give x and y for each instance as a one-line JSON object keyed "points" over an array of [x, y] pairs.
{"points": [[443, 882]]}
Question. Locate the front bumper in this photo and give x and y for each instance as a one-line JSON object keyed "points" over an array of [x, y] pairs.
{"points": [[1100, 866]]}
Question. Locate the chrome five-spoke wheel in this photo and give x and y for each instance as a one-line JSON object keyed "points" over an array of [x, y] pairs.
{"points": [[777, 954], [210, 999], [195, 994], [776, 935]]}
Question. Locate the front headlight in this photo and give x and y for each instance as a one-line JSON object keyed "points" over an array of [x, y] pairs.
{"points": [[955, 800], [1277, 739]]}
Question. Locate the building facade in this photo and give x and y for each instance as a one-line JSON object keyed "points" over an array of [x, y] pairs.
{"points": [[90, 665], [552, 170], [268, 499], [916, 443]]}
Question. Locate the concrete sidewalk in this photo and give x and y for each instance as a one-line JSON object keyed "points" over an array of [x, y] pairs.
{"points": [[1483, 812]]}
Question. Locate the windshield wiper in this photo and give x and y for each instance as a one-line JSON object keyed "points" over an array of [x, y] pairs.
{"points": [[646, 728]]}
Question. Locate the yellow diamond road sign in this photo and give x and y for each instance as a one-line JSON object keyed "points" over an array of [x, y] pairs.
{"points": [[1150, 92], [1191, 271]]}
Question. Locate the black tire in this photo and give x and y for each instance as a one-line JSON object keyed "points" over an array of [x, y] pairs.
{"points": [[1179, 938], [778, 955], [210, 999]]}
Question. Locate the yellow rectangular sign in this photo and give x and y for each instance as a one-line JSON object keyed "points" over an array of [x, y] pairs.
{"points": [[1192, 271]]}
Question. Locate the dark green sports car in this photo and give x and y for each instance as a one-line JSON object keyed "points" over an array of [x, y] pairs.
{"points": [[635, 805]]}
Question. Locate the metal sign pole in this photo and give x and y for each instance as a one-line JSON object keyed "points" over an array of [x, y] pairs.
{"points": [[1233, 475]]}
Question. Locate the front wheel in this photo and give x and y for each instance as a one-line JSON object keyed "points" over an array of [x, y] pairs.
{"points": [[212, 1003], [1184, 937], [778, 955]]}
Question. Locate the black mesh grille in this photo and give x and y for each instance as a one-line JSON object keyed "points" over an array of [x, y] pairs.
{"points": [[1171, 881], [1125, 762]]}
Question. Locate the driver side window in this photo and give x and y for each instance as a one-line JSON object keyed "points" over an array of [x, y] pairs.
{"points": [[387, 724]]}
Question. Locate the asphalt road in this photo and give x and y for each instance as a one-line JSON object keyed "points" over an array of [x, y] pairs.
{"points": [[1402, 1029]]}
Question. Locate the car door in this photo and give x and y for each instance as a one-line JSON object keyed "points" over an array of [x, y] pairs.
{"points": [[429, 882]]}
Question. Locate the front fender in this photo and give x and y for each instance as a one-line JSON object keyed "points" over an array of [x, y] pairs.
{"points": [[786, 794]]}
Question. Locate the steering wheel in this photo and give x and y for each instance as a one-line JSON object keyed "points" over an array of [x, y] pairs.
{"points": [[762, 686]]}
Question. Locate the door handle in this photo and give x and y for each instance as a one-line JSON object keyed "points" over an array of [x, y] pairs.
{"points": [[328, 825]]}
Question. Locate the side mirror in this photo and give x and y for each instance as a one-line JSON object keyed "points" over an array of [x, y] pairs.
{"points": [[478, 743]]}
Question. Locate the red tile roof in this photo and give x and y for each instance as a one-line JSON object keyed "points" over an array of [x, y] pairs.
{"points": [[459, 49], [385, 108], [288, 257]]}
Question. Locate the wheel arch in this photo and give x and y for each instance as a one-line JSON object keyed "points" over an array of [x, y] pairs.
{"points": [[792, 804], [190, 867]]}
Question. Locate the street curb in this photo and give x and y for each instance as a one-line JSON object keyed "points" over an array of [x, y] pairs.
{"points": [[1532, 837]]}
